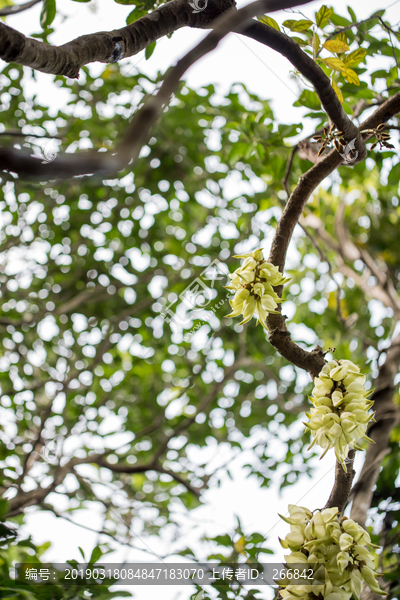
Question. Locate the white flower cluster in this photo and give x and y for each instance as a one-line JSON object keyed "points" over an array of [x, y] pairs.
{"points": [[341, 414], [253, 282], [336, 547]]}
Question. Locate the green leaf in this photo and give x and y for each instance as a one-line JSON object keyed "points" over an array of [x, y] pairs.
{"points": [[338, 20], [316, 44], [355, 57], [137, 13], [336, 46], [149, 50], [48, 13], [3, 507], [300, 41], [237, 153], [351, 76], [323, 15], [82, 552], [338, 91], [96, 554], [352, 14], [269, 21], [309, 99], [394, 175], [301, 25], [336, 64]]}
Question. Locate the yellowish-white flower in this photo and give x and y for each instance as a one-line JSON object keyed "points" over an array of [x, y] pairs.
{"points": [[337, 549], [341, 411], [253, 284]]}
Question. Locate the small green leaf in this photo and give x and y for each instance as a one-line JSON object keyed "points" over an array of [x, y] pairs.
{"points": [[316, 44], [336, 46], [338, 91], [352, 14], [136, 14], [269, 21], [48, 13], [309, 99], [323, 15], [3, 507], [149, 50], [96, 554], [355, 57], [82, 552], [336, 64], [351, 76], [300, 41], [301, 25], [237, 153], [394, 175]]}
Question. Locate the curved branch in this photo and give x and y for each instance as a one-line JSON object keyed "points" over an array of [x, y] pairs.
{"points": [[130, 469], [105, 46], [18, 8], [313, 361], [279, 336], [342, 485], [286, 46], [68, 165]]}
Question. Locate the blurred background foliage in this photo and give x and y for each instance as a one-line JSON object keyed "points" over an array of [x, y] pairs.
{"points": [[132, 410]]}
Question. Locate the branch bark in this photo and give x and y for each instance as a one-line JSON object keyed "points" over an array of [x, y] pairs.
{"points": [[106, 163], [342, 485], [313, 361], [18, 8], [279, 336], [129, 469], [105, 46], [286, 46]]}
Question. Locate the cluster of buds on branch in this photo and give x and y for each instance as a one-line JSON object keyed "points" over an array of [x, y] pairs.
{"points": [[336, 548], [253, 284], [330, 135], [336, 137], [382, 137], [341, 414]]}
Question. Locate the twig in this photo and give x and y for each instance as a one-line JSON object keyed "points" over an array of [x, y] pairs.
{"points": [[17, 8]]}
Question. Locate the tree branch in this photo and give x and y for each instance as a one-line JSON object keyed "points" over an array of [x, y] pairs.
{"points": [[286, 46], [129, 469], [105, 46], [68, 165], [279, 336], [342, 485], [17, 8]]}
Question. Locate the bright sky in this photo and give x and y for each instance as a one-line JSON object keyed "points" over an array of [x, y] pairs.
{"points": [[268, 74]]}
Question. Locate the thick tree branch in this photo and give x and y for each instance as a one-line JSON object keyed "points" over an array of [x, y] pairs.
{"points": [[286, 46], [68, 165], [105, 46], [342, 485], [279, 336]]}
